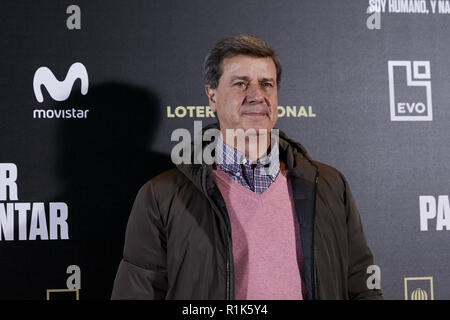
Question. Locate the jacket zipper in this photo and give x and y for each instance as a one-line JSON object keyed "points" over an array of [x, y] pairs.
{"points": [[228, 276], [314, 284], [229, 258], [229, 243]]}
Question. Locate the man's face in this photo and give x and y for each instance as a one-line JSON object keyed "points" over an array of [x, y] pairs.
{"points": [[246, 96]]}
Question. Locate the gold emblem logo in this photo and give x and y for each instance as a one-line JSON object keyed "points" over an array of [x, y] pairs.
{"points": [[419, 288], [63, 294]]}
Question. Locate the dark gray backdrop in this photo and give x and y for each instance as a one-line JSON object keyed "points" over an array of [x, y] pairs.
{"points": [[142, 56]]}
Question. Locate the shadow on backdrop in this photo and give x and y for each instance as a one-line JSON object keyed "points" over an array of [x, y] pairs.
{"points": [[103, 162]]}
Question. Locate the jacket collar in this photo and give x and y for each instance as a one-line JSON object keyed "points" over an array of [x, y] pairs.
{"points": [[298, 162]]}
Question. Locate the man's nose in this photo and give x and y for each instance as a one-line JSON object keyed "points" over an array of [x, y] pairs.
{"points": [[255, 94]]}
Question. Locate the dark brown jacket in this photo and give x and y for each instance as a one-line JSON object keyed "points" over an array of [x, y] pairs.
{"points": [[178, 241]]}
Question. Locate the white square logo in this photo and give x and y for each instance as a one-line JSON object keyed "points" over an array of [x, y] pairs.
{"points": [[410, 100]]}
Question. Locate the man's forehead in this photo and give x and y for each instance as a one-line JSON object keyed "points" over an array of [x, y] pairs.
{"points": [[241, 65]]}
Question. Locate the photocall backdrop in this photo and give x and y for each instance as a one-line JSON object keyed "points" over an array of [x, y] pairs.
{"points": [[92, 90]]}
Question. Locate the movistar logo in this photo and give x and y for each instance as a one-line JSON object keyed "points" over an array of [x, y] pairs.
{"points": [[59, 90]]}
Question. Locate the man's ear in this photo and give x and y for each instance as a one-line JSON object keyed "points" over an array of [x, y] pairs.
{"points": [[211, 93]]}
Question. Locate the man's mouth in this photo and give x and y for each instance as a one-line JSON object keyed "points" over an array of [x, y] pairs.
{"points": [[255, 114], [255, 111]]}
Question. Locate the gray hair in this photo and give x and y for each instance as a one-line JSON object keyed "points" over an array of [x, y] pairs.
{"points": [[246, 44]]}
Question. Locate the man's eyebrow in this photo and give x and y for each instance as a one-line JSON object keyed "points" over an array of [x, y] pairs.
{"points": [[233, 78], [267, 80], [240, 78]]}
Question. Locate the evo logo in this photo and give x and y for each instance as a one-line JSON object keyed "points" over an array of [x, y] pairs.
{"points": [[410, 101], [59, 90]]}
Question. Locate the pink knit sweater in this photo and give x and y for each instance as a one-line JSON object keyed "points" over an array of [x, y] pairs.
{"points": [[265, 237]]}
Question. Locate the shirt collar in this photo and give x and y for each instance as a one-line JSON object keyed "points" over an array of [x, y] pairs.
{"points": [[233, 161]]}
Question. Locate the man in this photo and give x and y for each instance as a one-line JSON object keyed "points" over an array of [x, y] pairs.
{"points": [[262, 222]]}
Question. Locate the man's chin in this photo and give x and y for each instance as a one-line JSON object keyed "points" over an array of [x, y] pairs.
{"points": [[257, 129], [257, 124]]}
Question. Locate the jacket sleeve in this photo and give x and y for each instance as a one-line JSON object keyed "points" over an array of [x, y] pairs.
{"points": [[360, 256], [142, 273]]}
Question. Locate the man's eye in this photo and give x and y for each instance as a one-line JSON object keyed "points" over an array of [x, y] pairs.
{"points": [[240, 84], [267, 84]]}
